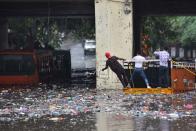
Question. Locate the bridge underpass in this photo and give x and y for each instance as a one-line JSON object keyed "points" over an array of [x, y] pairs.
{"points": [[61, 10], [74, 8], [44, 8], [102, 119], [143, 8], [41, 8], [113, 25]]}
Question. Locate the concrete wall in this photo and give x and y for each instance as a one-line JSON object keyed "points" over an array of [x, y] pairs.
{"points": [[114, 34]]}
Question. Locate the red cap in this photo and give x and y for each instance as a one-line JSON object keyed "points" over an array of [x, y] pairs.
{"points": [[107, 54]]}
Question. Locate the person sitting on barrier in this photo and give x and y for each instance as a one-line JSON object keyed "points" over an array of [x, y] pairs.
{"points": [[163, 67], [116, 67], [138, 59]]}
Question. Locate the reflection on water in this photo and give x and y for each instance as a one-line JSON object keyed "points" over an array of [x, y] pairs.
{"points": [[99, 122], [59, 108], [67, 123], [113, 122]]}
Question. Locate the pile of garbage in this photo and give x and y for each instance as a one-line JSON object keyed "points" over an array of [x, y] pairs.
{"points": [[57, 102], [36, 103], [159, 106]]}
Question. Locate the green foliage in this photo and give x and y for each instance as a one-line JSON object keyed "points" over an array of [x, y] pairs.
{"points": [[159, 30], [82, 28], [46, 31], [169, 30], [19, 29], [28, 30], [185, 26]]}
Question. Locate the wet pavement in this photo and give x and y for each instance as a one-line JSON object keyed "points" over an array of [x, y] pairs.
{"points": [[69, 108]]}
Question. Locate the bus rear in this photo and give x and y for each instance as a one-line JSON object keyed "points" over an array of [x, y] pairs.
{"points": [[18, 68]]}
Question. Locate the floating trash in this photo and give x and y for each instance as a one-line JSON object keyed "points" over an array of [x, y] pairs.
{"points": [[56, 105], [56, 119], [188, 106]]}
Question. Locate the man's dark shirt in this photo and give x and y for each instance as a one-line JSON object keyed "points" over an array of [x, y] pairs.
{"points": [[114, 64]]}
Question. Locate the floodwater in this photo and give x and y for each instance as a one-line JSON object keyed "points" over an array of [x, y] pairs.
{"points": [[69, 108]]}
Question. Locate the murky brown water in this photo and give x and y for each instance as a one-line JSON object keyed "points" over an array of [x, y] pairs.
{"points": [[57, 108]]}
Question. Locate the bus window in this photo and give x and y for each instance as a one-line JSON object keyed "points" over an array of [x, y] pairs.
{"points": [[16, 65]]}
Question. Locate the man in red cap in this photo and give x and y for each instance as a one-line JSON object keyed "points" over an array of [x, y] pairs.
{"points": [[116, 67]]}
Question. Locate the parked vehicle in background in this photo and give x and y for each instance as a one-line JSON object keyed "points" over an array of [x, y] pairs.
{"points": [[89, 47]]}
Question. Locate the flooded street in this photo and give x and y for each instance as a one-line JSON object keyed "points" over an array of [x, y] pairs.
{"points": [[63, 108], [79, 106], [65, 62]]}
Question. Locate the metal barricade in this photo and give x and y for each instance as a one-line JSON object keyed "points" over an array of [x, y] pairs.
{"points": [[151, 69], [183, 76]]}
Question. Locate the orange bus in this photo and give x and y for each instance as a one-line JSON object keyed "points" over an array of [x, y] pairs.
{"points": [[18, 67], [28, 67]]}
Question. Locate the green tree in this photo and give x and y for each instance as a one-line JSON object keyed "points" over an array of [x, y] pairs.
{"points": [[158, 29], [185, 26], [82, 28], [28, 30], [169, 30], [25, 31]]}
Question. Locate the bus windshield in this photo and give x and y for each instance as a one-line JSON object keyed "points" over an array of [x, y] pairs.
{"points": [[16, 64]]}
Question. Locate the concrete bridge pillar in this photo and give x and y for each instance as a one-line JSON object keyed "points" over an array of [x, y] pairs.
{"points": [[3, 33], [114, 33]]}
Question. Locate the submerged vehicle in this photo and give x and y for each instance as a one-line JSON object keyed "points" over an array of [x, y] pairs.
{"points": [[28, 67], [18, 67]]}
